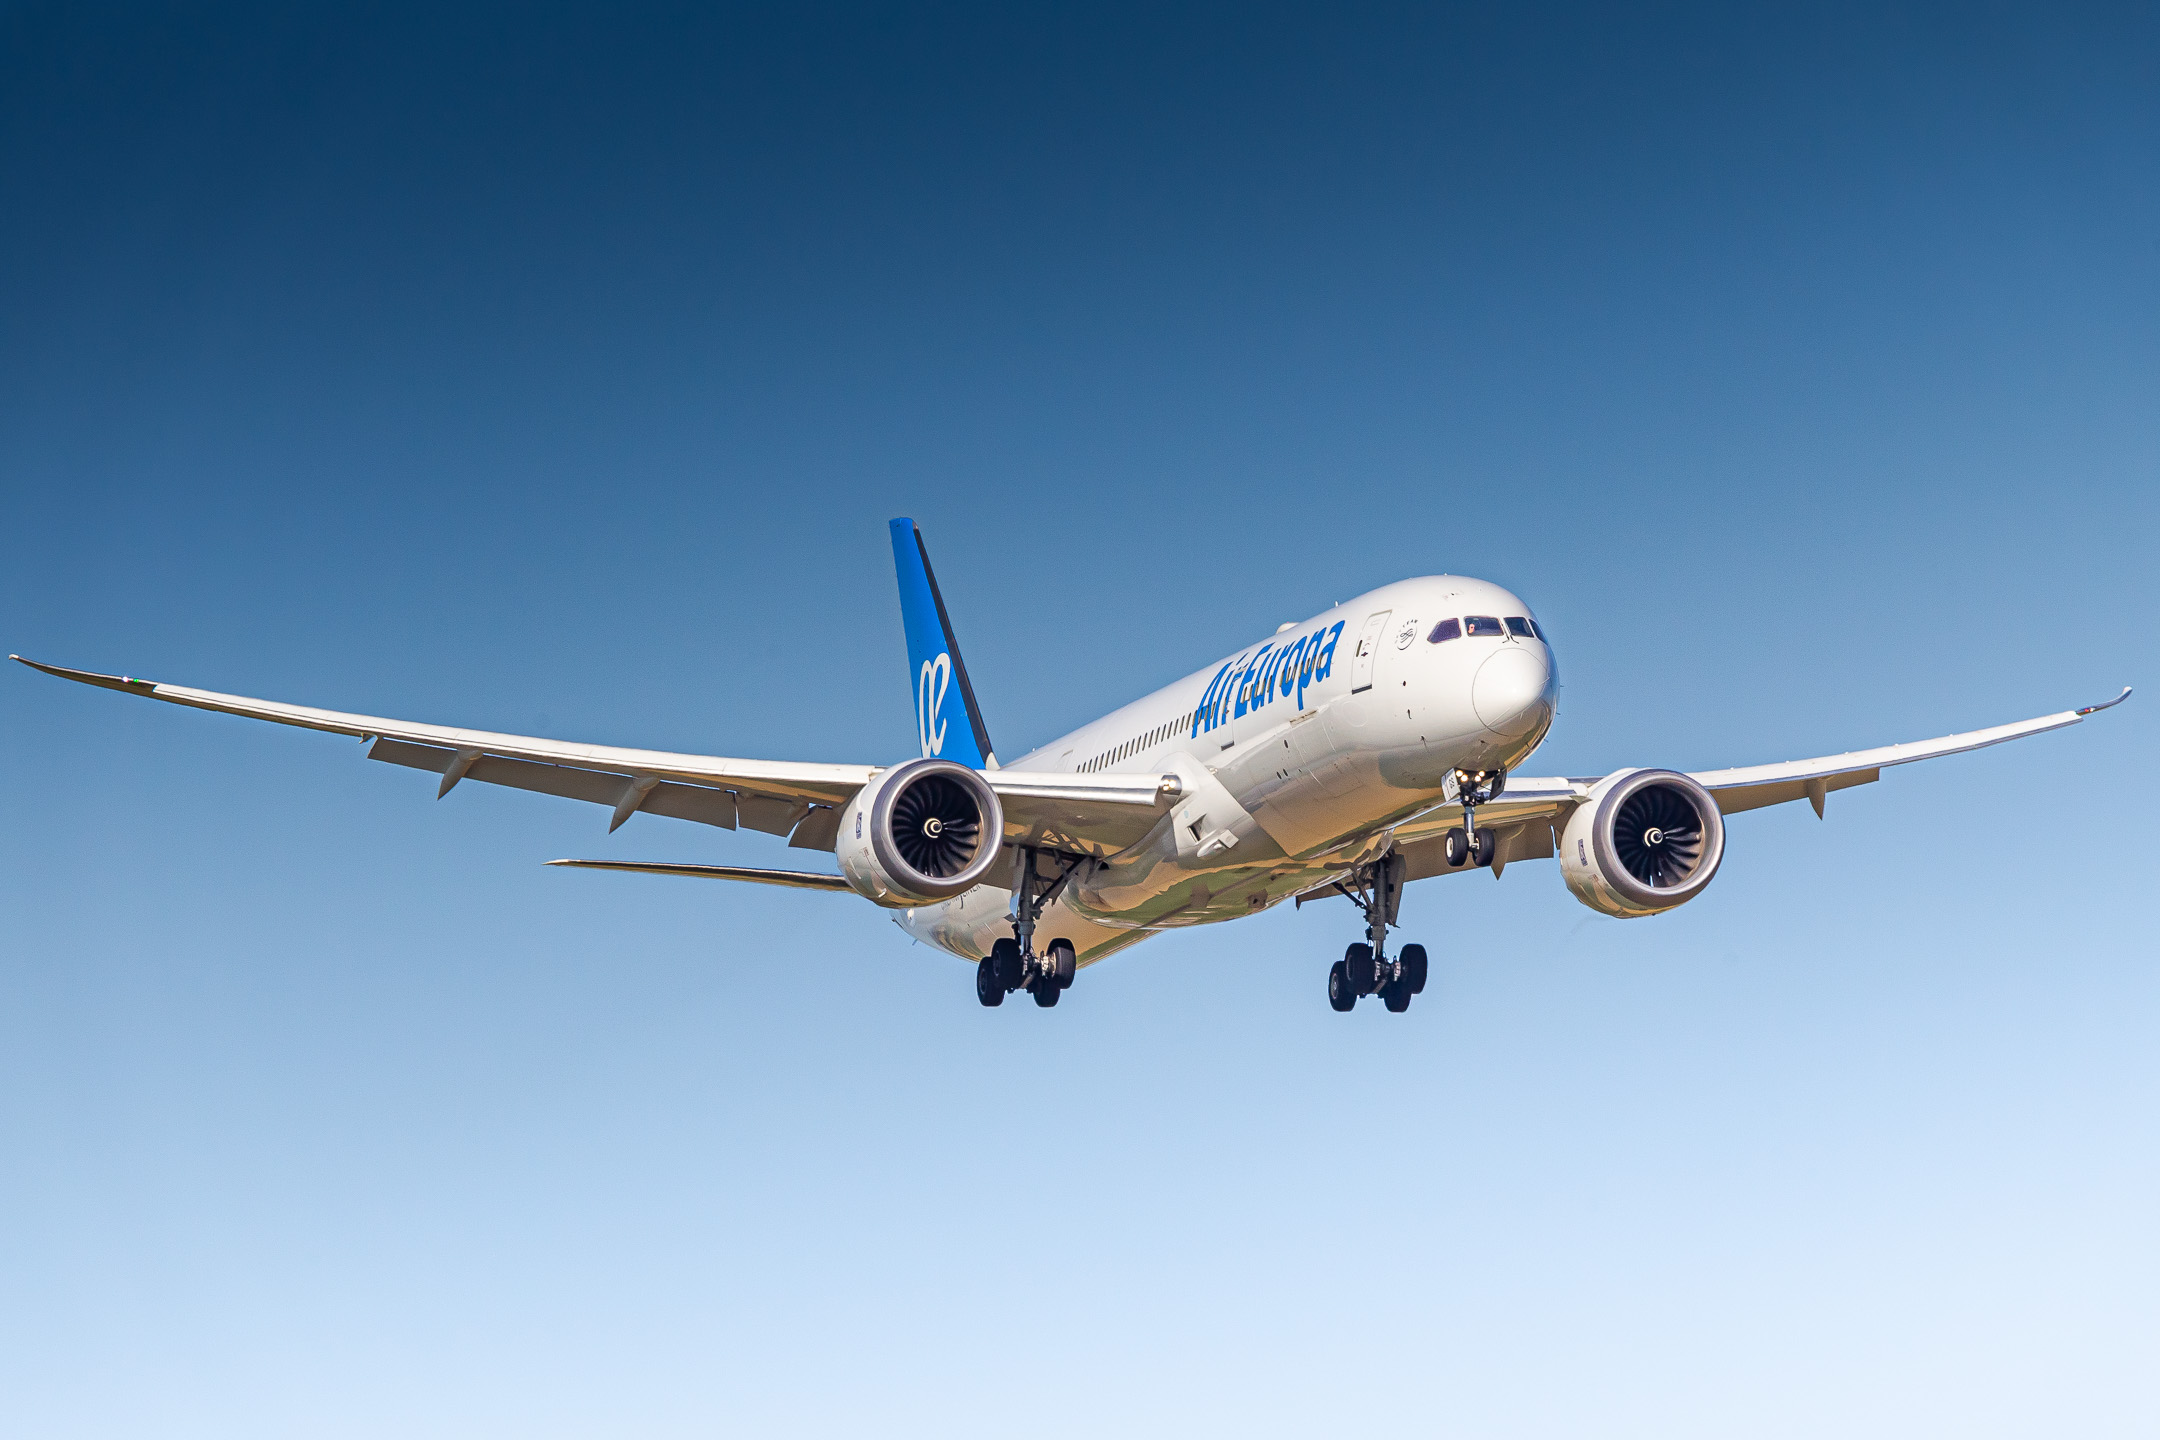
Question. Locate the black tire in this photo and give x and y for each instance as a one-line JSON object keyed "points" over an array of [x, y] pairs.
{"points": [[1364, 971], [1339, 994], [987, 988], [1046, 993], [1482, 853], [1064, 962], [1414, 967], [1396, 996], [1005, 958], [1456, 847]]}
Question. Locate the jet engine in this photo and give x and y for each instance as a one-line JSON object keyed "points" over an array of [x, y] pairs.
{"points": [[919, 833], [1643, 842]]}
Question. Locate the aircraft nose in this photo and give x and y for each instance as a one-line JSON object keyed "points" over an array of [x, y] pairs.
{"points": [[1512, 693]]}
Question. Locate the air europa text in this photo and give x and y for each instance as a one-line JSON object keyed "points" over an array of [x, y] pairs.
{"points": [[1270, 673]]}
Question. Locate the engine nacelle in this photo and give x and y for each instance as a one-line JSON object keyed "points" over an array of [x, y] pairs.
{"points": [[919, 833], [1644, 842]]}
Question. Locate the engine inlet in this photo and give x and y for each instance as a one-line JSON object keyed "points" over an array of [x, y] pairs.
{"points": [[935, 824], [1658, 836]]}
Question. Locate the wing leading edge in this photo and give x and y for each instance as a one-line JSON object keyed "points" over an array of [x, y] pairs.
{"points": [[1099, 814], [800, 800], [1751, 787]]}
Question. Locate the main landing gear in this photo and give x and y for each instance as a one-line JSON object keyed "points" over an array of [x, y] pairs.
{"points": [[1013, 964], [1365, 969], [1472, 788], [1006, 969]]}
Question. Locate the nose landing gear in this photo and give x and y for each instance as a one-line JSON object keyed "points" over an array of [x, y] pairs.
{"points": [[1475, 847], [1472, 788]]}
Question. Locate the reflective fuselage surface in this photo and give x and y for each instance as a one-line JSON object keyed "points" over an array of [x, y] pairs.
{"points": [[1295, 758]]}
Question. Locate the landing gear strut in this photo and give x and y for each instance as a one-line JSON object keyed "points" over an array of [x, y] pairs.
{"points": [[1013, 964], [1365, 969], [1472, 788]]}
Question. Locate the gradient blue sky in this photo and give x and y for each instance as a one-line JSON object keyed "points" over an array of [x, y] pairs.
{"points": [[557, 372]]}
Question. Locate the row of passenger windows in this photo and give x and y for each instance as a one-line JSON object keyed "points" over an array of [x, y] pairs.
{"points": [[1137, 744], [1521, 625]]}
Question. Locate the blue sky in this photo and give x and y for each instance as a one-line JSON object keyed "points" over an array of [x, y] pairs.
{"points": [[557, 373]]}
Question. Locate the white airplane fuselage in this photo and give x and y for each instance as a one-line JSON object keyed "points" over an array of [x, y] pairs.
{"points": [[1296, 757]]}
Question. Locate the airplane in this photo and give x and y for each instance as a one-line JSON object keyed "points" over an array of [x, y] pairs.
{"points": [[1350, 755]]}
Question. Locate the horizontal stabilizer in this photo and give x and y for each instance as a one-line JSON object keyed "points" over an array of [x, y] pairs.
{"points": [[798, 879]]}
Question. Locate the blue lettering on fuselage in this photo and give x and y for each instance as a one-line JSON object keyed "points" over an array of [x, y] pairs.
{"points": [[1268, 674]]}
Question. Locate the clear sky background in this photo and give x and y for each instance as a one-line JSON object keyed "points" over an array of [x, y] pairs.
{"points": [[557, 373]]}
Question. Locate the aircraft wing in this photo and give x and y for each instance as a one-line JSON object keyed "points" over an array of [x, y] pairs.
{"points": [[1528, 810], [801, 800], [1751, 787]]}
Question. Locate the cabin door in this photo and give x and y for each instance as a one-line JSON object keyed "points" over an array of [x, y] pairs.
{"points": [[1368, 649]]}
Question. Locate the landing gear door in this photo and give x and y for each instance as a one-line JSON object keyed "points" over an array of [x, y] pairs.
{"points": [[1368, 649]]}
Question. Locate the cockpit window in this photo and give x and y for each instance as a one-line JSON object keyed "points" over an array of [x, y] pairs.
{"points": [[1446, 630], [1484, 625], [1539, 631], [1520, 625]]}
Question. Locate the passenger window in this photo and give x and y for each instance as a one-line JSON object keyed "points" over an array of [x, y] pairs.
{"points": [[1446, 630], [1484, 625], [1518, 625]]}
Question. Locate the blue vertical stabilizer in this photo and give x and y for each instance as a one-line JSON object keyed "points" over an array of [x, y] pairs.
{"points": [[946, 718]]}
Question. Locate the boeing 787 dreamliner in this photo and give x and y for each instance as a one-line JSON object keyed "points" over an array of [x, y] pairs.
{"points": [[1368, 747]]}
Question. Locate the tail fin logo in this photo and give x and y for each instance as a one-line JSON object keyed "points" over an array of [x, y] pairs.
{"points": [[935, 670], [930, 703]]}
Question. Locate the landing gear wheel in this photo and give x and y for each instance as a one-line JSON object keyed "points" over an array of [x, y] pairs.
{"points": [[1339, 994], [1063, 961], [1413, 968], [1396, 996], [1363, 970], [1482, 852], [1047, 992], [1005, 963], [988, 989], [1457, 848]]}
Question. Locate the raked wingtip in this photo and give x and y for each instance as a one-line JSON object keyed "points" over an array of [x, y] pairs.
{"points": [[89, 677], [2105, 704]]}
